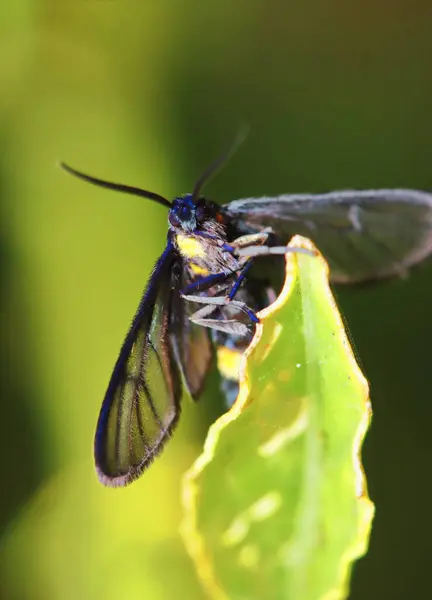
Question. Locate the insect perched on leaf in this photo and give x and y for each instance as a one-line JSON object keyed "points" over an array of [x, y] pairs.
{"points": [[202, 283]]}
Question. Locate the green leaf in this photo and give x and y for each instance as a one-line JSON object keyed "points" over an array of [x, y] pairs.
{"points": [[277, 505]]}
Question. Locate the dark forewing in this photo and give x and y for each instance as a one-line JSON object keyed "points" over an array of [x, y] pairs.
{"points": [[364, 235], [142, 403], [191, 342]]}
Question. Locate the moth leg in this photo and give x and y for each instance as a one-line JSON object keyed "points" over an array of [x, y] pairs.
{"points": [[243, 242], [229, 299], [210, 280], [226, 326], [251, 239], [204, 312], [200, 317], [234, 289], [253, 251], [223, 301], [213, 300], [200, 285]]}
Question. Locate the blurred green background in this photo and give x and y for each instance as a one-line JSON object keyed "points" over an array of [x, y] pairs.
{"points": [[338, 95]]}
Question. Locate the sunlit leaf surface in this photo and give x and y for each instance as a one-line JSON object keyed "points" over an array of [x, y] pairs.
{"points": [[277, 505]]}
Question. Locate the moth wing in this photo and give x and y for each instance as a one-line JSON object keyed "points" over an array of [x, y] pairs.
{"points": [[142, 403], [364, 235], [191, 342]]}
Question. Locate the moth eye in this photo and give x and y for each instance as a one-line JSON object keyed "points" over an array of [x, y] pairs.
{"points": [[173, 219]]}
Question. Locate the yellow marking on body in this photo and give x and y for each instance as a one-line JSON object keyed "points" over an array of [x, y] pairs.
{"points": [[228, 362], [197, 270], [189, 246]]}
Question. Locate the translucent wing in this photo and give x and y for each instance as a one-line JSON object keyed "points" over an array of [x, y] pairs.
{"points": [[191, 342], [364, 235], [142, 403]]}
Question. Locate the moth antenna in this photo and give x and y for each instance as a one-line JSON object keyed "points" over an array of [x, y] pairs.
{"points": [[117, 187], [214, 167]]}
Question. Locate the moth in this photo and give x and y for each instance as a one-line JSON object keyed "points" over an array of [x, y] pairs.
{"points": [[203, 295]]}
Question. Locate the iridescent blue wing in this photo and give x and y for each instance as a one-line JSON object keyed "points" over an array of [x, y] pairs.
{"points": [[365, 235], [142, 403]]}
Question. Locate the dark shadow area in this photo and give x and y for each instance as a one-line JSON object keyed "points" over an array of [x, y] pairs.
{"points": [[20, 441]]}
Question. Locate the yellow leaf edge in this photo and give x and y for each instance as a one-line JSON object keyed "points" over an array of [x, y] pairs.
{"points": [[192, 539]]}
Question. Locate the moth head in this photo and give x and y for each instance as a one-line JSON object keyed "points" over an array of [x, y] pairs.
{"points": [[183, 214]]}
